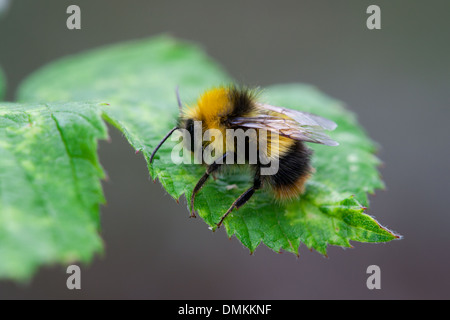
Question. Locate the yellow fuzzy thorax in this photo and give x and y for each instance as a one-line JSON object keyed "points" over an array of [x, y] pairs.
{"points": [[210, 107], [215, 104]]}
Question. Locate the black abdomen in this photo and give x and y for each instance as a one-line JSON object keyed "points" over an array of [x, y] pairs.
{"points": [[294, 169]]}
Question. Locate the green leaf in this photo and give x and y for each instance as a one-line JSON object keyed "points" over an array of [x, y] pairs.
{"points": [[331, 211], [49, 185], [2, 85], [138, 80]]}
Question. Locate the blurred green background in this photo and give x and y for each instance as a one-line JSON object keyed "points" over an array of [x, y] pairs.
{"points": [[395, 79]]}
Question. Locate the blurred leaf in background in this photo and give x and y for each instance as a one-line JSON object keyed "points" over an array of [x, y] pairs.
{"points": [[50, 188]]}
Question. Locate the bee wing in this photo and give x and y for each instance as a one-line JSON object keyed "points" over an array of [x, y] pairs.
{"points": [[301, 126], [303, 118]]}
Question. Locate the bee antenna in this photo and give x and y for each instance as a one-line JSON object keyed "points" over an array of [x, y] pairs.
{"points": [[160, 144], [180, 106]]}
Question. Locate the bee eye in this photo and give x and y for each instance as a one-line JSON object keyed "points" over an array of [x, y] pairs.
{"points": [[190, 129]]}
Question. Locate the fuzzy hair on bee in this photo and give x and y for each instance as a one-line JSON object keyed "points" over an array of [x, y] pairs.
{"points": [[283, 130]]}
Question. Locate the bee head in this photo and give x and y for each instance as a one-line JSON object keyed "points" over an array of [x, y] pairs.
{"points": [[188, 125]]}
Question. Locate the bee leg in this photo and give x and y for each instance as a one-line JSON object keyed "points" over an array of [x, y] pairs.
{"points": [[243, 198], [209, 170]]}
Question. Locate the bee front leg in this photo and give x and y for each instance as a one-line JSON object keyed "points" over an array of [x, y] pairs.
{"points": [[209, 170]]}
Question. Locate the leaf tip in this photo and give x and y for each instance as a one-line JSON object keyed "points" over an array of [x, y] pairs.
{"points": [[394, 235], [214, 228], [397, 236]]}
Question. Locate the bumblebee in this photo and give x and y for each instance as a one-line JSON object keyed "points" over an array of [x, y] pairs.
{"points": [[225, 108]]}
